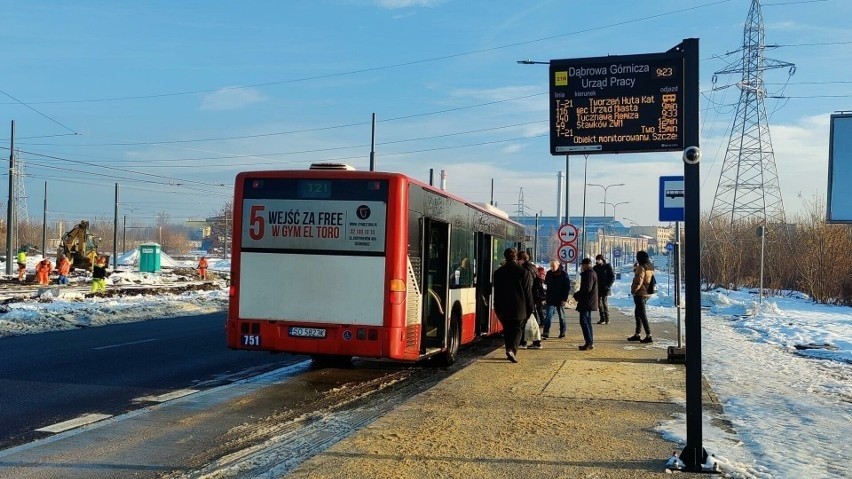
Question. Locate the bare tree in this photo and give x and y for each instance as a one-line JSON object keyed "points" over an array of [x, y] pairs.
{"points": [[220, 229]]}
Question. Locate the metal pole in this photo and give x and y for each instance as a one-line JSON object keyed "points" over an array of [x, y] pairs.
{"points": [[124, 236], [693, 454], [432, 179], [535, 240], [585, 177], [10, 207], [44, 225], [567, 189], [677, 284], [762, 230], [373, 146], [492, 191], [115, 233]]}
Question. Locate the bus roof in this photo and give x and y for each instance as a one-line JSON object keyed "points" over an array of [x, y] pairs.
{"points": [[347, 173]]}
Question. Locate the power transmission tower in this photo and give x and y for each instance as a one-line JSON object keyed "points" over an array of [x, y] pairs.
{"points": [[21, 212], [521, 207], [748, 186], [20, 215]]}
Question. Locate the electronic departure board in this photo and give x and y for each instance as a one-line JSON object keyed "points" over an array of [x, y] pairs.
{"points": [[617, 104]]}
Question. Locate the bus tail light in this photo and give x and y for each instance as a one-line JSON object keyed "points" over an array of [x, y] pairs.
{"points": [[397, 291], [232, 291]]}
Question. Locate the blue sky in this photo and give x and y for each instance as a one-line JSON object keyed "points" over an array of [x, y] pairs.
{"points": [[172, 99]]}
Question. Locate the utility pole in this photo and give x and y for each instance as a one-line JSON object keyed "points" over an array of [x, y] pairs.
{"points": [[373, 146], [115, 233], [10, 220], [44, 225]]}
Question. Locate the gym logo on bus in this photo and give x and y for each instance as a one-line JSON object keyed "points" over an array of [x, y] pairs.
{"points": [[363, 212]]}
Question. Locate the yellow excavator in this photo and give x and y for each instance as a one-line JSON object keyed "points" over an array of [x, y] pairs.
{"points": [[79, 246]]}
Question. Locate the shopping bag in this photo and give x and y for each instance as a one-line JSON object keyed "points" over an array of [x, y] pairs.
{"points": [[532, 332]]}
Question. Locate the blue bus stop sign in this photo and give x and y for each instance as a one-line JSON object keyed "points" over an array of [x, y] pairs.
{"points": [[671, 198], [669, 247], [616, 252]]}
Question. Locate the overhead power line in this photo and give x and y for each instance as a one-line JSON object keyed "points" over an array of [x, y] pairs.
{"points": [[395, 65]]}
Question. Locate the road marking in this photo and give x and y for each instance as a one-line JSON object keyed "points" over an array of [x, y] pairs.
{"points": [[125, 344], [167, 396], [74, 423]]}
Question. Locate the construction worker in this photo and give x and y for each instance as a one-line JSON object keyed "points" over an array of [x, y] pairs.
{"points": [[43, 269], [63, 267], [202, 268], [99, 276], [22, 264]]}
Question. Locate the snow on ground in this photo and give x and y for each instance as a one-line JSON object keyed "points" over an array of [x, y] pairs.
{"points": [[62, 308], [790, 408]]}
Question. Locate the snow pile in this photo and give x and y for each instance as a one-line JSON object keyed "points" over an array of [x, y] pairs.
{"points": [[786, 407]]}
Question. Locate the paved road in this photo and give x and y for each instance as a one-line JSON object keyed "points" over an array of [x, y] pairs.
{"points": [[53, 377]]}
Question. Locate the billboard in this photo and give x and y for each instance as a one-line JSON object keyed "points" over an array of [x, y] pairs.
{"points": [[839, 207]]}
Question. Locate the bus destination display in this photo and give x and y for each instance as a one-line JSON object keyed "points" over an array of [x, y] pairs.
{"points": [[616, 104]]}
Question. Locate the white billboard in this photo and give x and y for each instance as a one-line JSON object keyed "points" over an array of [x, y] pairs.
{"points": [[839, 207]]}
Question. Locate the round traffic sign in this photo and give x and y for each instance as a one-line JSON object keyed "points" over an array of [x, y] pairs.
{"points": [[616, 252], [567, 253], [568, 233], [669, 247]]}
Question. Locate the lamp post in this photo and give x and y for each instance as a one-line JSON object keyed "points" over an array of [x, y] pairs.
{"points": [[606, 188], [613, 207], [567, 158]]}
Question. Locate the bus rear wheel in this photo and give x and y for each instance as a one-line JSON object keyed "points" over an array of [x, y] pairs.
{"points": [[450, 356]]}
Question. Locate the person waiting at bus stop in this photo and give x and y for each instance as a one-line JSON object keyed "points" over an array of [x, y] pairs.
{"points": [[558, 289], [202, 268], [513, 300]]}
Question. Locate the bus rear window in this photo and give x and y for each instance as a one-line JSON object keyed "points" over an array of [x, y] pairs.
{"points": [[320, 189]]}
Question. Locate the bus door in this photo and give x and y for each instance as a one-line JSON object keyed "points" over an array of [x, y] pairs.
{"points": [[435, 282], [483, 283]]}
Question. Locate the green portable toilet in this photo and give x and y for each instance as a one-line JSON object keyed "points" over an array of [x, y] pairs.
{"points": [[149, 258]]}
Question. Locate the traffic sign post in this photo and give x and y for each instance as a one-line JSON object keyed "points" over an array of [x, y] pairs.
{"points": [[567, 253], [568, 233]]}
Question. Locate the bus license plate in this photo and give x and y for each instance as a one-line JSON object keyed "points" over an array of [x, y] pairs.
{"points": [[307, 332], [251, 340]]}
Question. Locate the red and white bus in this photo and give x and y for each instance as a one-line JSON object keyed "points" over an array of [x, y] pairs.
{"points": [[337, 263]]}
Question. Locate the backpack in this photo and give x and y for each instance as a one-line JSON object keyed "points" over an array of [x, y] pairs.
{"points": [[652, 285]]}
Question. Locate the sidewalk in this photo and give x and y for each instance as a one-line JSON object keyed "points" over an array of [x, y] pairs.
{"points": [[559, 412]]}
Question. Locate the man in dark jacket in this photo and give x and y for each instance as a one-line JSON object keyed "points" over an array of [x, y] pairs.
{"points": [[513, 301], [605, 279], [558, 289], [587, 301]]}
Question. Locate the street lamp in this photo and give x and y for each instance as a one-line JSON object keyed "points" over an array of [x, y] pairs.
{"points": [[613, 207], [567, 161], [606, 188]]}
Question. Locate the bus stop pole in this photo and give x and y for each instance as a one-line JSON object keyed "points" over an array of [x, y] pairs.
{"points": [[693, 454]]}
